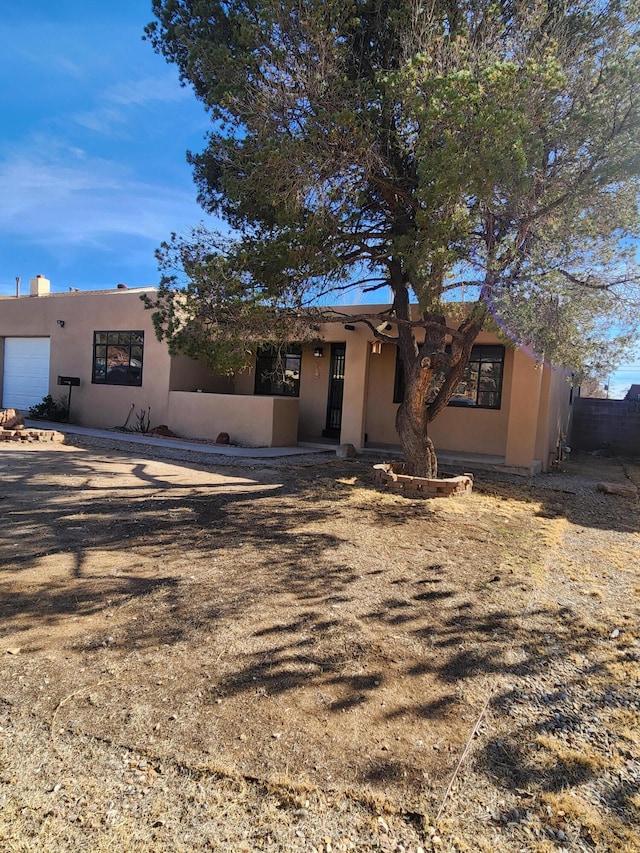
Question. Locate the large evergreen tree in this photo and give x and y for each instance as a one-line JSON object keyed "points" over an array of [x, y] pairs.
{"points": [[425, 147]]}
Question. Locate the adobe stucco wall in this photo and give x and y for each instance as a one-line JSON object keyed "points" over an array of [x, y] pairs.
{"points": [[190, 375], [249, 421], [555, 414], [314, 384], [456, 428], [526, 427], [72, 350], [314, 389]]}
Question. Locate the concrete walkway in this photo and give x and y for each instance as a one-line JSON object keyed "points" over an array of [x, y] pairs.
{"points": [[446, 459], [184, 444]]}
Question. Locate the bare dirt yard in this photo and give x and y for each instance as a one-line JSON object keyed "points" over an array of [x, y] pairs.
{"points": [[278, 656]]}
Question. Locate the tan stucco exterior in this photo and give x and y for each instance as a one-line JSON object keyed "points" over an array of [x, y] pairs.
{"points": [[250, 421], [72, 349], [183, 394]]}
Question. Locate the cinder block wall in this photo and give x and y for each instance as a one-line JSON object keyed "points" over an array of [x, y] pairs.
{"points": [[599, 424]]}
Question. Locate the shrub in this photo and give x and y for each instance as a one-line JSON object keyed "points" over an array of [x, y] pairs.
{"points": [[49, 410]]}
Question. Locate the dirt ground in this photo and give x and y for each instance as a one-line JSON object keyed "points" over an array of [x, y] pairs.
{"points": [[278, 656]]}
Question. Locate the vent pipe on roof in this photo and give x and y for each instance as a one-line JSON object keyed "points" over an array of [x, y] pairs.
{"points": [[39, 286]]}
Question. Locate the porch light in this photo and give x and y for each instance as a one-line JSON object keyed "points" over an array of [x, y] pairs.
{"points": [[376, 347], [318, 352]]}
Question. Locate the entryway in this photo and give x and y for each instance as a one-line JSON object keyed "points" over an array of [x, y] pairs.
{"points": [[336, 392]]}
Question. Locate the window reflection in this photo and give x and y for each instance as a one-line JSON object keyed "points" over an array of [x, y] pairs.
{"points": [[278, 371], [481, 383], [117, 358]]}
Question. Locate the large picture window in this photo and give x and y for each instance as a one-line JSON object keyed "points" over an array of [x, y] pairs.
{"points": [[278, 373], [117, 358], [481, 383]]}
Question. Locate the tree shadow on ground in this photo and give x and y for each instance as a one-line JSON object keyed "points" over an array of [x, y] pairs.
{"points": [[407, 641], [85, 545], [574, 497]]}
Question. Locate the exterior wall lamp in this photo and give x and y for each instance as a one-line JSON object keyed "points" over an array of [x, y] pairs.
{"points": [[60, 323], [376, 347], [318, 352]]}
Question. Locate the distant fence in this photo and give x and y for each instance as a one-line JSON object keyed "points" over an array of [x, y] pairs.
{"points": [[606, 425]]}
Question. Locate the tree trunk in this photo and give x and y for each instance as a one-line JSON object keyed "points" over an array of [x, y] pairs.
{"points": [[431, 374], [419, 453]]}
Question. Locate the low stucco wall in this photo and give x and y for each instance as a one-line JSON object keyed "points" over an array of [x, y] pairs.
{"points": [[253, 421]]}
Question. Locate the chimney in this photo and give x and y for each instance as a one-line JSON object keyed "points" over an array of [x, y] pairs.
{"points": [[39, 286]]}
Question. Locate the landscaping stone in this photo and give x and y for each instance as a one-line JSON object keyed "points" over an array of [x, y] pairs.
{"points": [[346, 451], [10, 419], [163, 431], [21, 433], [622, 489]]}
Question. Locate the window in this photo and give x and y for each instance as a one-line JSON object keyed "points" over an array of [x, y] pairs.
{"points": [[117, 358], [481, 383], [278, 372]]}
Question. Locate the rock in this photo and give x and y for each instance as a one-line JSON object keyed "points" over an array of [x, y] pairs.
{"points": [[621, 489], [10, 419], [383, 826], [162, 430], [346, 451], [223, 438]]}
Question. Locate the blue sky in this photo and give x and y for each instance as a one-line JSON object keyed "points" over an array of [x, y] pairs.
{"points": [[93, 134], [93, 137]]}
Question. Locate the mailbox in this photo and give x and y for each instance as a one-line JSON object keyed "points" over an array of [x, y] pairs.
{"points": [[69, 380]]}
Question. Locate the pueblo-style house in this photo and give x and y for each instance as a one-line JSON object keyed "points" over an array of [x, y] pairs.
{"points": [[344, 387]]}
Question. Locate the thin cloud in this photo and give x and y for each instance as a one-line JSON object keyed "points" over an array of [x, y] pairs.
{"points": [[118, 105], [147, 90], [70, 198], [101, 120]]}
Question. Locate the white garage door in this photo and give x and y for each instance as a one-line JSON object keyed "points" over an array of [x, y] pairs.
{"points": [[26, 372]]}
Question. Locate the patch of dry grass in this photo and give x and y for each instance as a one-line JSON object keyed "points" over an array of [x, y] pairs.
{"points": [[288, 659]]}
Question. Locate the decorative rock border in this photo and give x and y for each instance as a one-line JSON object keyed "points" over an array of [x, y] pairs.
{"points": [[391, 475], [28, 435], [12, 428]]}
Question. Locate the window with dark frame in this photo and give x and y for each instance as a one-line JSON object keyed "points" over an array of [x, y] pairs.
{"points": [[481, 383], [278, 374], [117, 358]]}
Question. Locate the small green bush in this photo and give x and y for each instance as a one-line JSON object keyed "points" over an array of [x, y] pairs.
{"points": [[49, 410]]}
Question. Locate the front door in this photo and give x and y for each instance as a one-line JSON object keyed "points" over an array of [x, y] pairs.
{"points": [[336, 390]]}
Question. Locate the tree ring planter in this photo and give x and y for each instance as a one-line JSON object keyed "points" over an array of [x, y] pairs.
{"points": [[391, 475]]}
